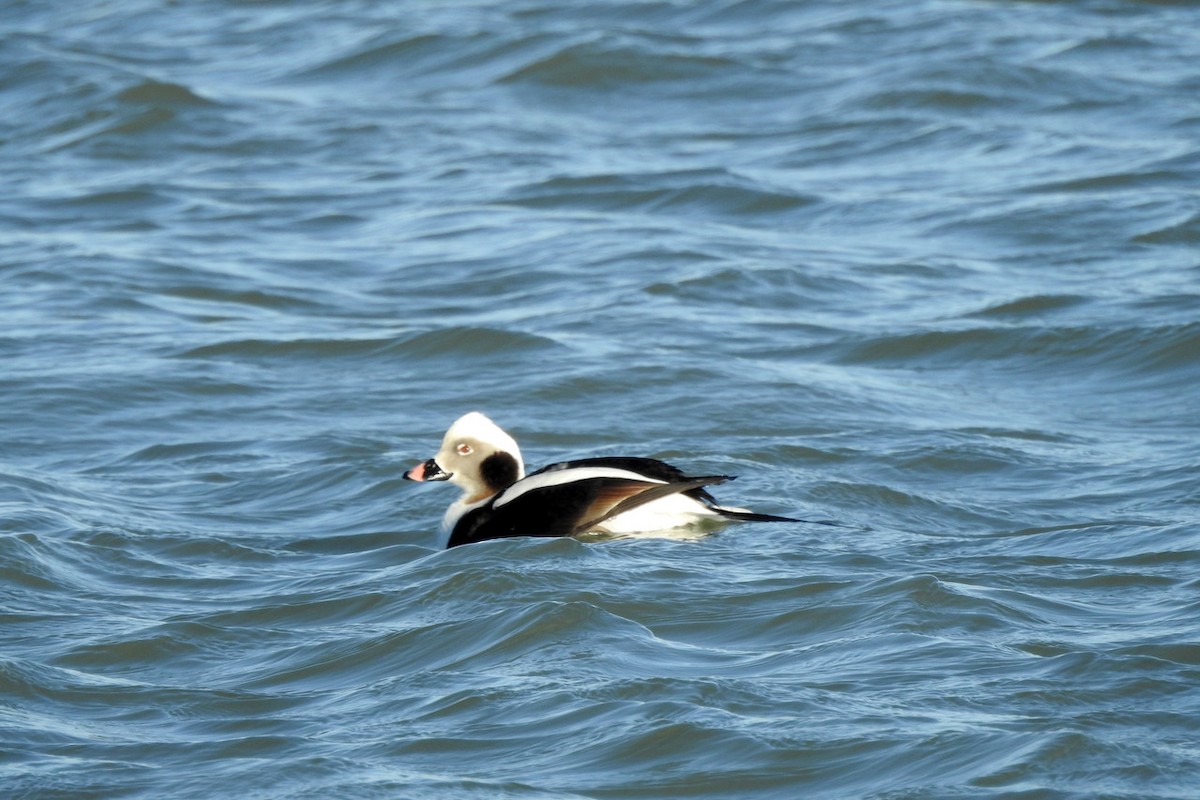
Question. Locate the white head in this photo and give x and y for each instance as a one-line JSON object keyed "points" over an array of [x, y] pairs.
{"points": [[477, 456]]}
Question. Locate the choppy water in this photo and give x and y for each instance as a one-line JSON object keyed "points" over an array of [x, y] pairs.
{"points": [[928, 269]]}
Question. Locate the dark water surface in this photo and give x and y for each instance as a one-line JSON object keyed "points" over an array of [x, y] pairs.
{"points": [[930, 269]]}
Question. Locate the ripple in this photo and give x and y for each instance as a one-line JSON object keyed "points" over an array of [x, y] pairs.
{"points": [[1131, 349], [303, 349], [1186, 232], [694, 194], [152, 92], [257, 298], [605, 62], [475, 342], [456, 341], [1032, 306]]}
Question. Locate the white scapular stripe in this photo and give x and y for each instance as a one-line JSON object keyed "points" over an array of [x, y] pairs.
{"points": [[560, 477]]}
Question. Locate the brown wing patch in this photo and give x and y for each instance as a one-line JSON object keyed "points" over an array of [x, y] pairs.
{"points": [[618, 497], [610, 496]]}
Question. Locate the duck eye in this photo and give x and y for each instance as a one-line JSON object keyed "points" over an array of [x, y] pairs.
{"points": [[464, 449]]}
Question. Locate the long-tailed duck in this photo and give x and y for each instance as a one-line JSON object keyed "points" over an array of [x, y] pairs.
{"points": [[613, 494]]}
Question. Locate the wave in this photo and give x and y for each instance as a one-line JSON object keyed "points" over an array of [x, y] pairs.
{"points": [[453, 341], [1185, 231], [704, 193], [606, 61], [1084, 348]]}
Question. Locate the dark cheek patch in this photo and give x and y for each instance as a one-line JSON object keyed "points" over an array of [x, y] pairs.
{"points": [[499, 471]]}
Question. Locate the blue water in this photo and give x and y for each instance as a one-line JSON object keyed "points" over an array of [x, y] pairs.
{"points": [[927, 269]]}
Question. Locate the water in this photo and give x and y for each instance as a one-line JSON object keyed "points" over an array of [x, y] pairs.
{"points": [[927, 269]]}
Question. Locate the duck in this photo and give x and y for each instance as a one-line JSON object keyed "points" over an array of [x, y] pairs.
{"points": [[618, 495]]}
